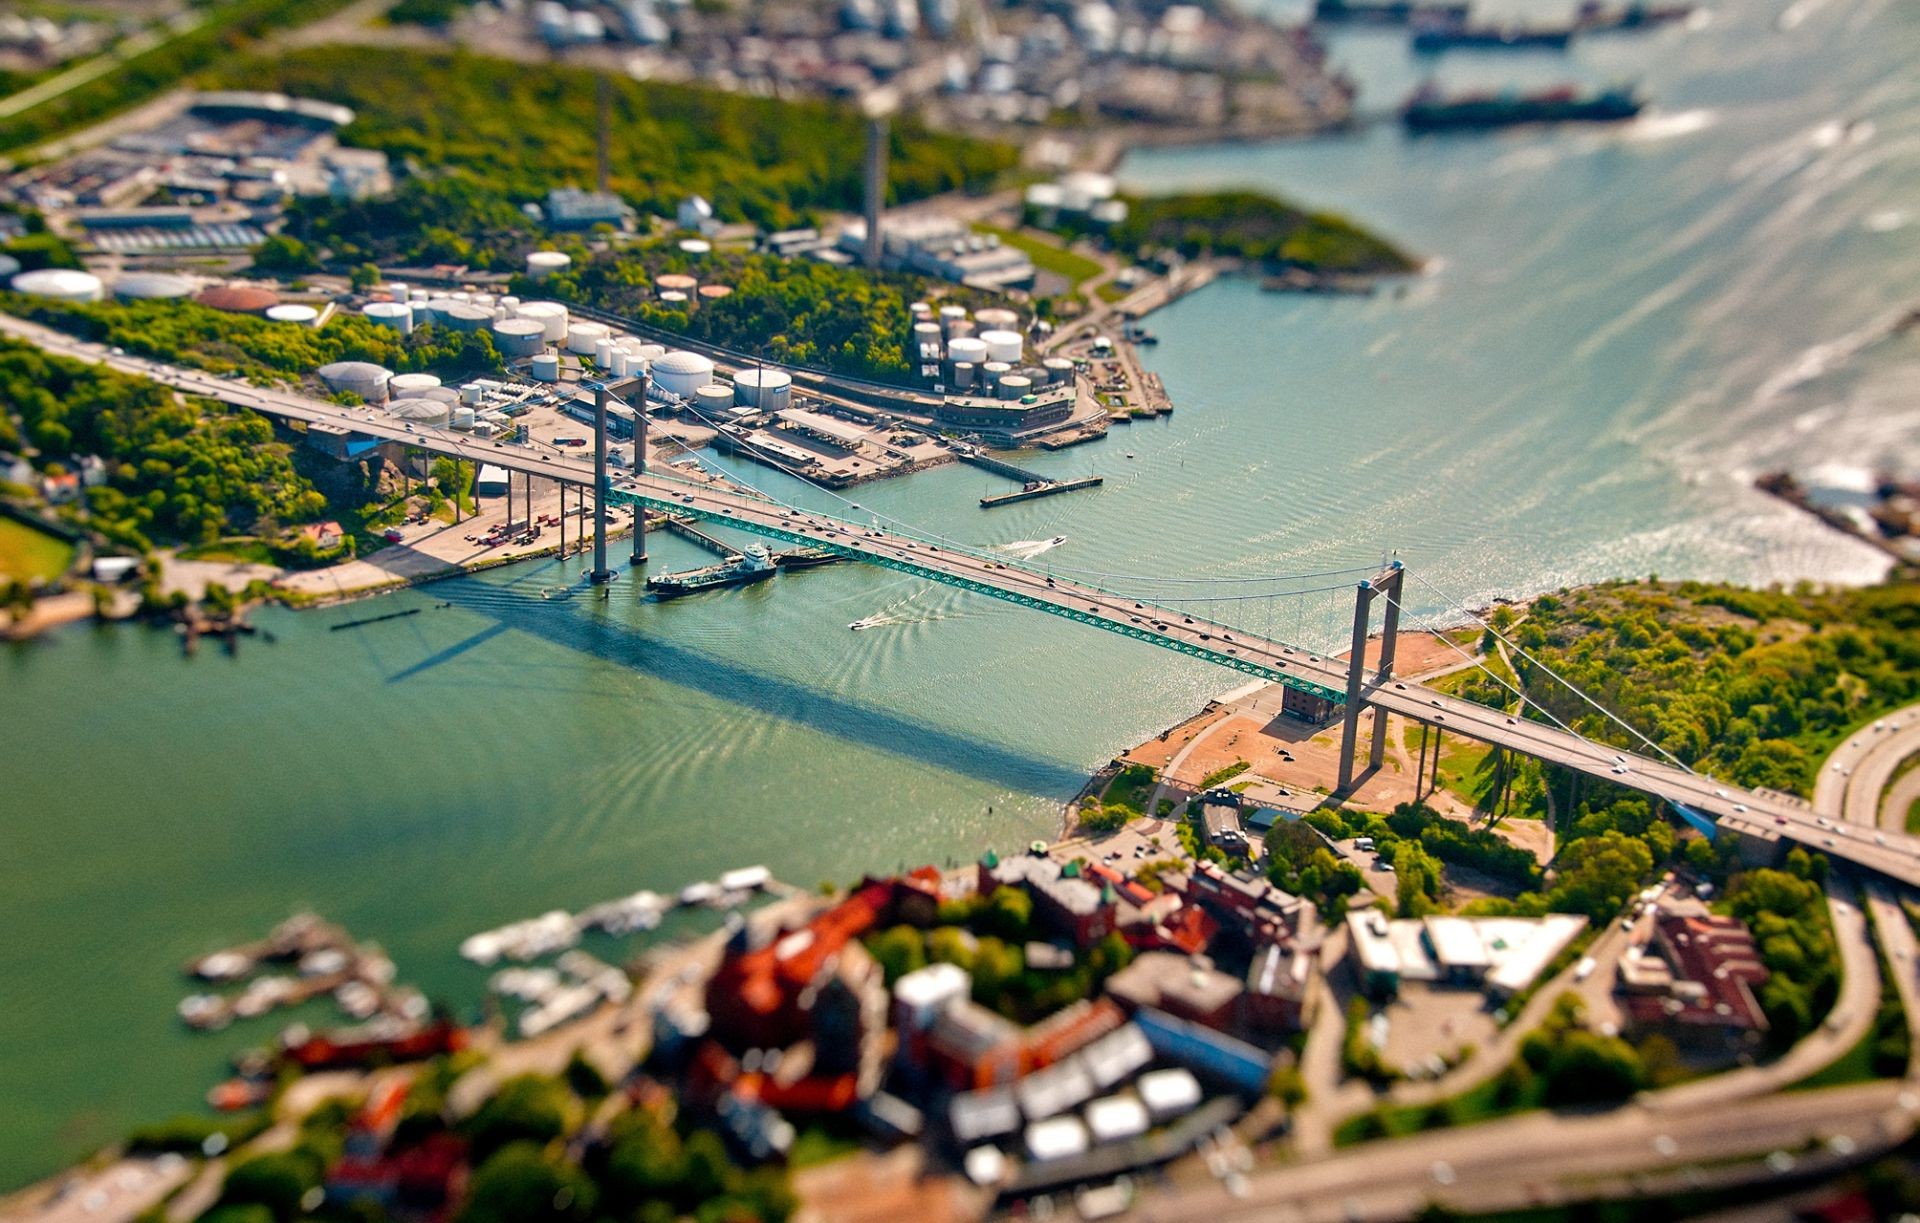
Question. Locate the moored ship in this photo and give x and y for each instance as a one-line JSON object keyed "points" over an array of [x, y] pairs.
{"points": [[1430, 111], [752, 564]]}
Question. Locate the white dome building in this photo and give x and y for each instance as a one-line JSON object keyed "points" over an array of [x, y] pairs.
{"points": [[682, 373], [61, 284]]}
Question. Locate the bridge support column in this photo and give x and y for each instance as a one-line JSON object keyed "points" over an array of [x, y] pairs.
{"points": [[640, 469], [600, 574], [1437, 735], [1389, 637], [1356, 673]]}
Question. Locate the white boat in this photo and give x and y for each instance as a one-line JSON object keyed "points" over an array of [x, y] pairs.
{"points": [[1057, 540], [867, 622], [699, 893]]}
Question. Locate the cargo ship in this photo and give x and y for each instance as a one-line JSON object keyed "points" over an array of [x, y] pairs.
{"points": [[752, 564], [1637, 16], [1387, 12], [1431, 111], [1433, 36]]}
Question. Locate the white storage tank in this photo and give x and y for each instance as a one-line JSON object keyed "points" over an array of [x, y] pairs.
{"points": [[303, 315], [1002, 345], [620, 362], [713, 400], [519, 337], [926, 341], [546, 367], [603, 353], [62, 284], [682, 373], [432, 309], [1059, 371], [418, 295], [473, 394], [583, 338], [676, 299], [462, 317], [397, 315], [970, 349], [650, 352], [397, 290], [423, 413], [510, 302], [402, 386], [919, 312], [552, 316], [542, 264], [770, 390], [994, 318], [463, 417], [152, 286], [951, 314], [1013, 386], [992, 372], [964, 374], [362, 378]]}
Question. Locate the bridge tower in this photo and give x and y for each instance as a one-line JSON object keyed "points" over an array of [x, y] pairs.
{"points": [[1388, 582], [599, 574], [640, 469]]}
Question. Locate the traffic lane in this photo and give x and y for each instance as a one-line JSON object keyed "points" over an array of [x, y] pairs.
{"points": [[1546, 1148], [1831, 787]]}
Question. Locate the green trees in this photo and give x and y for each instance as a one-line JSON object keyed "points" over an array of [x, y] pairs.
{"points": [[771, 162], [1577, 1066], [276, 1181], [1598, 874], [1787, 913], [527, 1108], [1299, 862], [282, 254], [1255, 227], [520, 1183], [647, 1163], [1453, 841]]}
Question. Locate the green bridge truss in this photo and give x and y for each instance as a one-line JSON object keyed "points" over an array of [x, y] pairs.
{"points": [[618, 496]]}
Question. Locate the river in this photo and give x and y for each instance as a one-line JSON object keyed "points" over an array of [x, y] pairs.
{"points": [[1622, 328]]}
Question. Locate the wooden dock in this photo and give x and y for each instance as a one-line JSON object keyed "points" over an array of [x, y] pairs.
{"points": [[1045, 488]]}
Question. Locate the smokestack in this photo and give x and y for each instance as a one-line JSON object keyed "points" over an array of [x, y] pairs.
{"points": [[606, 120], [876, 185]]}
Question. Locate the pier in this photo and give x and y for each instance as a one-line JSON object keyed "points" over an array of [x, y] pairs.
{"points": [[1044, 488], [1032, 483], [686, 530]]}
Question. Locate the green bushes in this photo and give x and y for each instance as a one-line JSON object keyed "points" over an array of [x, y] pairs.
{"points": [[1787, 913], [1255, 227], [1455, 842]]}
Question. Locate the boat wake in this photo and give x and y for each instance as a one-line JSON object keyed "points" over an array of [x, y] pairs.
{"points": [[1026, 549], [1658, 126]]}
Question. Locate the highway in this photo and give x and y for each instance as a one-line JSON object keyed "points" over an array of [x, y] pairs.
{"points": [[1891, 855]]}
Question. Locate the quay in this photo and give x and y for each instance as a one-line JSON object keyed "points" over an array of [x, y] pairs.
{"points": [[677, 525], [1044, 488]]}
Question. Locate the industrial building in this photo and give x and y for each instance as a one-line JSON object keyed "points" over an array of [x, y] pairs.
{"points": [[941, 247], [1501, 955], [1005, 421], [570, 208]]}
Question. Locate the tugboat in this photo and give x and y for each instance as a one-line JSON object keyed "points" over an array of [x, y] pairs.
{"points": [[1429, 110], [753, 564]]}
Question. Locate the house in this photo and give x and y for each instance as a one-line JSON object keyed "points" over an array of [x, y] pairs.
{"points": [[16, 471], [325, 536], [1222, 822], [573, 209], [93, 471], [1189, 987], [696, 213], [1696, 982], [60, 489], [1081, 908]]}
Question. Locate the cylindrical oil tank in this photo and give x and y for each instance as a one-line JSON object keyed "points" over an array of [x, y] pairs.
{"points": [[1059, 370], [1002, 345], [770, 390], [676, 299], [675, 282], [1012, 386], [650, 352], [603, 352], [463, 417], [552, 316], [926, 341], [995, 318], [919, 312], [511, 303], [964, 374], [416, 296], [362, 378], [425, 413], [682, 373], [519, 337], [403, 386], [397, 290], [713, 399], [951, 314], [303, 315], [397, 315], [960, 328], [713, 293], [542, 264], [430, 310], [60, 283], [583, 337], [152, 286], [463, 317], [482, 300], [620, 362], [992, 372], [473, 393], [696, 246], [970, 349], [546, 367]]}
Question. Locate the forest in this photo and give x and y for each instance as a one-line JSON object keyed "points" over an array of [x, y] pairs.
{"points": [[522, 129], [264, 351], [226, 30], [1248, 225], [186, 472], [795, 312]]}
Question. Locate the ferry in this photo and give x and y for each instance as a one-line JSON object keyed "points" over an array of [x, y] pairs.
{"points": [[753, 564]]}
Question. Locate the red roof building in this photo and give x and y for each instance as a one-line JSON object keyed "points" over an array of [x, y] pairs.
{"points": [[1708, 993]]}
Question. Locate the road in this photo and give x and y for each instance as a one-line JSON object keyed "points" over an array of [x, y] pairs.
{"points": [[1893, 855], [1857, 774], [1525, 1160]]}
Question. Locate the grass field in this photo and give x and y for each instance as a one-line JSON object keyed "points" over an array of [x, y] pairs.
{"points": [[1075, 269], [26, 554]]}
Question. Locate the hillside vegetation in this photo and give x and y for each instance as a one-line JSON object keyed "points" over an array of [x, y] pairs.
{"points": [[1249, 225], [521, 129]]}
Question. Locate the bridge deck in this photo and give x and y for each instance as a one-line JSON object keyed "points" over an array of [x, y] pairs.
{"points": [[1893, 855]]}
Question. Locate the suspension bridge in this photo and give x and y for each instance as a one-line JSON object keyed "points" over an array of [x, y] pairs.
{"points": [[1350, 685]]}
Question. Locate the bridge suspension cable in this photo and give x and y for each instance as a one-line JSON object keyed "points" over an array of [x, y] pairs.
{"points": [[1564, 682]]}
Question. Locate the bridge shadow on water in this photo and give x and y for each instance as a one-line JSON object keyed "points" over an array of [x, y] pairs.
{"points": [[575, 624]]}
